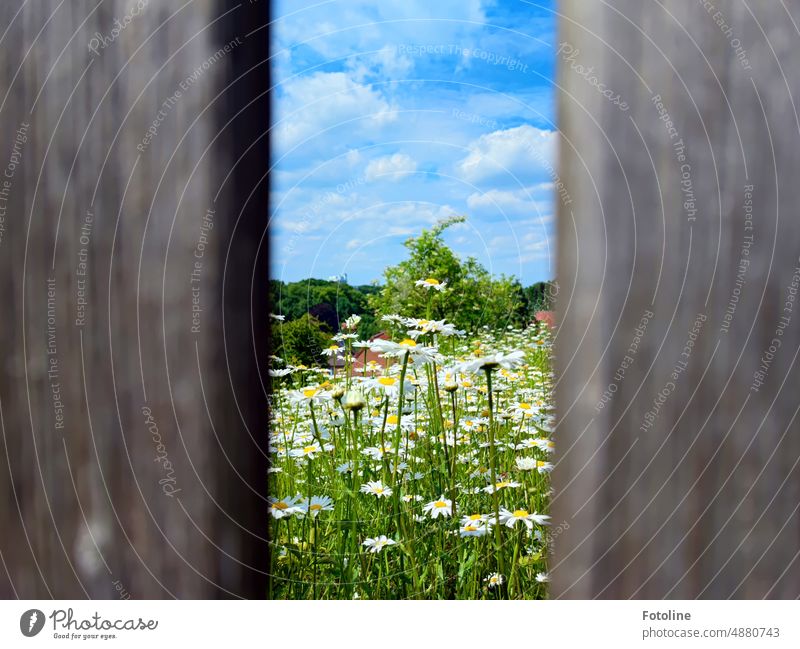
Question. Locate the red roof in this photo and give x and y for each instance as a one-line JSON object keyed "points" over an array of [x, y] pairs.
{"points": [[548, 317], [359, 354]]}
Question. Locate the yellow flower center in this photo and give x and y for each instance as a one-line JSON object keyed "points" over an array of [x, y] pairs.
{"points": [[407, 342], [540, 463], [309, 449], [387, 380], [315, 507], [439, 504], [432, 281], [520, 513], [334, 347], [470, 528], [502, 484], [309, 392], [280, 505], [378, 490], [391, 419], [525, 406], [475, 517]]}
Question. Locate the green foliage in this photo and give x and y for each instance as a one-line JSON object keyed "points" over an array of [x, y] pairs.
{"points": [[301, 340], [541, 296], [328, 302], [473, 297]]}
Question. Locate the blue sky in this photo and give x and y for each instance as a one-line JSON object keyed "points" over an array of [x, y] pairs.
{"points": [[389, 115]]}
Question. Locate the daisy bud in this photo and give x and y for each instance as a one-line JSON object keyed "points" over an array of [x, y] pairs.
{"points": [[337, 393], [354, 401], [450, 387]]}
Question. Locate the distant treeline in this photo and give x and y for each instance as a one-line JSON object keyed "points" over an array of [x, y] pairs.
{"points": [[329, 302], [314, 308]]}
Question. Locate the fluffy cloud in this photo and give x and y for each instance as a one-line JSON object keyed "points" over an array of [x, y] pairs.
{"points": [[359, 111], [505, 152], [393, 167], [313, 103], [387, 63], [527, 206]]}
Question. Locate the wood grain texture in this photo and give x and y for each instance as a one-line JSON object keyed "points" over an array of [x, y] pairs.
{"points": [[703, 501], [131, 461]]}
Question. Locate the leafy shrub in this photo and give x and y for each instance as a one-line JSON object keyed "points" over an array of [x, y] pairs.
{"points": [[301, 340], [330, 302], [473, 297]]}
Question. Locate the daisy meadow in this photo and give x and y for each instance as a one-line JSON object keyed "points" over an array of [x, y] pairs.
{"points": [[427, 438]]}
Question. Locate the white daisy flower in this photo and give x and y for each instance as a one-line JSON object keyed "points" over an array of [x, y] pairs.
{"points": [[473, 530], [431, 283], [509, 519], [440, 507], [377, 544], [284, 507], [317, 504], [377, 489], [494, 580]]}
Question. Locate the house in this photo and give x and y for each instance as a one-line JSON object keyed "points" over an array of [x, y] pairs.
{"points": [[361, 354]]}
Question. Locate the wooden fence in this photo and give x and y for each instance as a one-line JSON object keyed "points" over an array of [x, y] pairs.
{"points": [[134, 154], [679, 329]]}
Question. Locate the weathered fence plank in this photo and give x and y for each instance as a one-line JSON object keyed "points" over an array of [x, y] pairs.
{"points": [[132, 413], [678, 269]]}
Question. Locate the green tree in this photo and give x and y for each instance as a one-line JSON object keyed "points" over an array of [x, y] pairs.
{"points": [[301, 340], [331, 302], [541, 296], [473, 297]]}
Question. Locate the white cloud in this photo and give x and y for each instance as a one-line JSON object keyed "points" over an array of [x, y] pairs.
{"points": [[499, 199], [391, 167], [527, 207], [313, 103], [400, 231], [510, 151], [387, 63]]}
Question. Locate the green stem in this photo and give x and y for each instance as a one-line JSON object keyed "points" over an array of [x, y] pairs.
{"points": [[455, 453], [316, 535], [493, 466], [399, 417]]}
